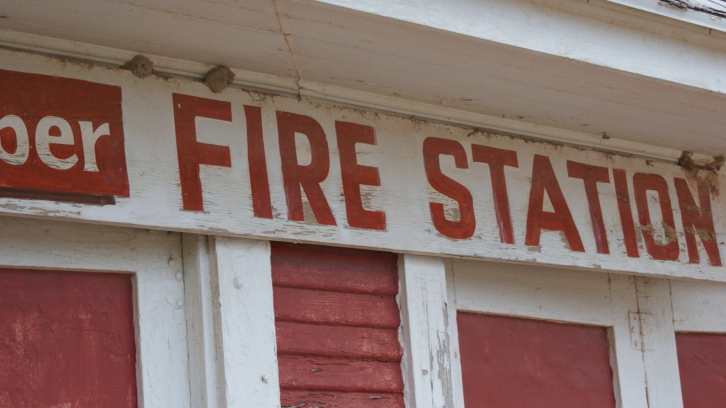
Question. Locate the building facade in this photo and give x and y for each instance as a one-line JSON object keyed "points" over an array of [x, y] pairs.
{"points": [[297, 203]]}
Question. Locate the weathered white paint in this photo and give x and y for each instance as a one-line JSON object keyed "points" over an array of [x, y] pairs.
{"points": [[404, 195], [561, 296], [323, 92], [699, 306], [307, 47], [626, 354], [201, 306], [684, 14], [247, 355], [659, 343], [427, 358], [457, 384], [154, 258]]}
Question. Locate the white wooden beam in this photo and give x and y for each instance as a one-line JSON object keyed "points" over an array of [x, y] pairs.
{"points": [[200, 306], [246, 340], [425, 318], [626, 345], [659, 343]]}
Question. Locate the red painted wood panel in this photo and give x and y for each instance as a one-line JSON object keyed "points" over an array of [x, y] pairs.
{"points": [[66, 340], [323, 399], [334, 269], [323, 307], [338, 341], [332, 374], [512, 363], [337, 327], [702, 364]]}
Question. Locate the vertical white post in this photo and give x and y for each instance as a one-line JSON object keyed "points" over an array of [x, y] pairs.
{"points": [[246, 341], [199, 309], [626, 345], [659, 343], [457, 381], [425, 317]]}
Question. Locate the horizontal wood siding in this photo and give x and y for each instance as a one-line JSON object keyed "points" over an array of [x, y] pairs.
{"points": [[337, 327]]}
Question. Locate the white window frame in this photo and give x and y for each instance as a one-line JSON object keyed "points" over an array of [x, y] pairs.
{"points": [[154, 260], [434, 289]]}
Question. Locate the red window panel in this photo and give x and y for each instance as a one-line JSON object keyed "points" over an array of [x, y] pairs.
{"points": [[337, 327], [521, 363], [702, 365], [66, 340]]}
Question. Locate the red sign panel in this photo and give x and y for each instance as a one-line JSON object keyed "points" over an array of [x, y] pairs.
{"points": [[61, 139]]}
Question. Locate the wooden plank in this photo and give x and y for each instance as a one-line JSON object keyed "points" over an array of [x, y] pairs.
{"points": [[246, 319], [162, 330], [330, 399], [457, 384], [199, 308], [545, 293], [427, 354], [626, 355], [699, 306], [322, 307], [327, 374], [338, 341], [334, 269], [407, 168], [659, 343]]}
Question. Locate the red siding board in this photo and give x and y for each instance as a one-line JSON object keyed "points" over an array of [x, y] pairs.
{"points": [[66, 339], [702, 365], [334, 269], [338, 341], [513, 363], [323, 307], [331, 374], [322, 399], [337, 326]]}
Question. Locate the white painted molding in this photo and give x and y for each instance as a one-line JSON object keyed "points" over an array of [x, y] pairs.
{"points": [[605, 300], [426, 360], [699, 306], [200, 304], [457, 381], [333, 94], [625, 345], [246, 341], [659, 343]]}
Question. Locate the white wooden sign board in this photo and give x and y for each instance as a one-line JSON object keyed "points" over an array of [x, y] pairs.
{"points": [[137, 166]]}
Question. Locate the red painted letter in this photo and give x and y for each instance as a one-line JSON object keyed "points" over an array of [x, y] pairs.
{"points": [[626, 213], [699, 220], [497, 159], [354, 175], [192, 153], [309, 177], [643, 182], [544, 179], [592, 175], [464, 228], [259, 182]]}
